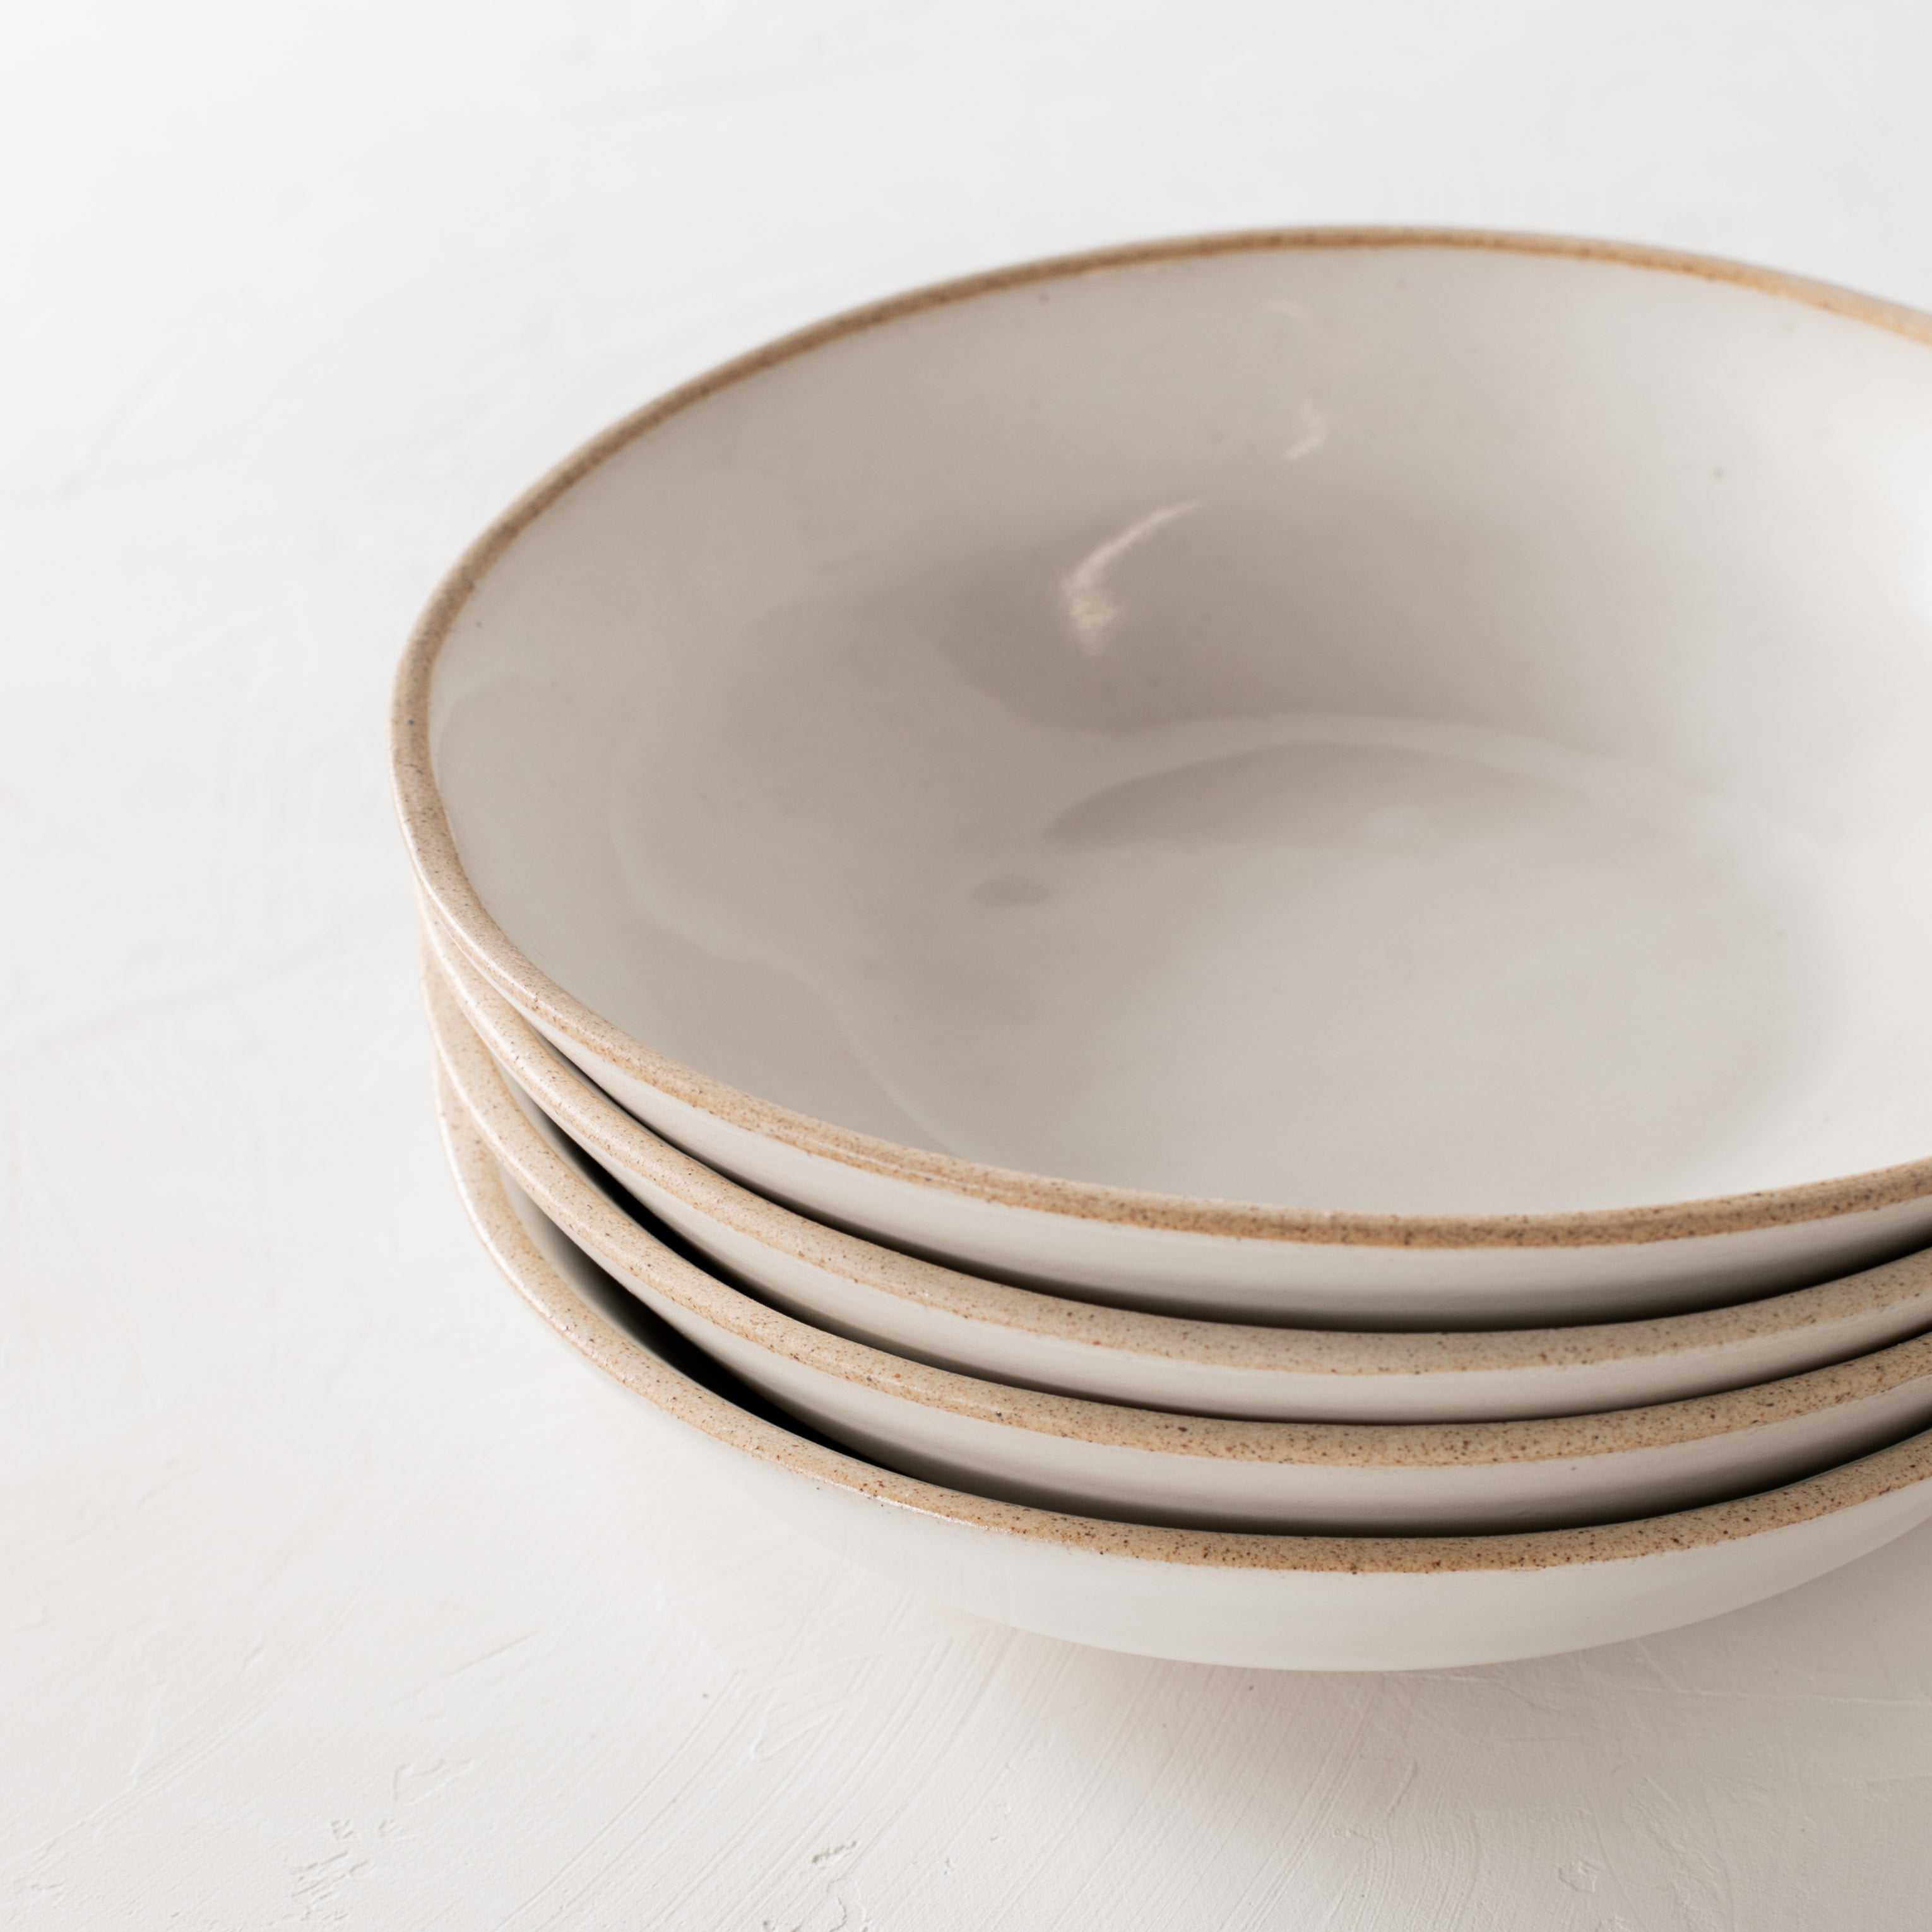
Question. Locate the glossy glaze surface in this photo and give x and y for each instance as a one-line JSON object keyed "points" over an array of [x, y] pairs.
{"points": [[1269, 1602], [1340, 724], [1105, 1460], [910, 1307]]}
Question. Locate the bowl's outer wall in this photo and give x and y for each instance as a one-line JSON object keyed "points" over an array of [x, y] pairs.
{"points": [[1269, 1618]]}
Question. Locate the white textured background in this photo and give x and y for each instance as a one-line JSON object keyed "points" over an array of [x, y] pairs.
{"points": [[331, 1592]]}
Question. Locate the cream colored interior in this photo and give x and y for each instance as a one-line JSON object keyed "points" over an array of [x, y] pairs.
{"points": [[1408, 728]]}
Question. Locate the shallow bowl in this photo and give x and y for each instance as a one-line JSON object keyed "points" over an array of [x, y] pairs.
{"points": [[914, 1308], [1100, 1459], [1423, 727], [1258, 1602]]}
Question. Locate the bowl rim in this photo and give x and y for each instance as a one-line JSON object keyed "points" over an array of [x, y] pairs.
{"points": [[444, 881], [615, 1239], [609, 1134], [484, 1192]]}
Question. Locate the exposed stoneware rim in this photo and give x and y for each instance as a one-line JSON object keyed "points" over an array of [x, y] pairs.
{"points": [[440, 872], [627, 1361], [613, 1136], [614, 1239]]}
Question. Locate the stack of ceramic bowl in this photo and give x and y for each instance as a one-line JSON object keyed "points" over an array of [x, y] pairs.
{"points": [[917, 828]]}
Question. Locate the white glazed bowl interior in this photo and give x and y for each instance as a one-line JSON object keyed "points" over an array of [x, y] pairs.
{"points": [[1413, 728]]}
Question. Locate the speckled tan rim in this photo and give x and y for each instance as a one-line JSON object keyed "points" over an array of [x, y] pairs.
{"points": [[627, 1361], [598, 1225], [611, 1136], [440, 873]]}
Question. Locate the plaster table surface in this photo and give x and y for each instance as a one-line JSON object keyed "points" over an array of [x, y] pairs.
{"points": [[330, 1591]]}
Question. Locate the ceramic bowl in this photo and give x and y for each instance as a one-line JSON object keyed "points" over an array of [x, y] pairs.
{"points": [[1259, 1602], [1423, 726], [1059, 1452], [914, 1308]]}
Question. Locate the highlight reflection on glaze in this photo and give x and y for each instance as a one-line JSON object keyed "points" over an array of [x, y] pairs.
{"points": [[1092, 606]]}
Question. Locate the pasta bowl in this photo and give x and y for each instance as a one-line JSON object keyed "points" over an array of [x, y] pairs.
{"points": [[1358, 777]]}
